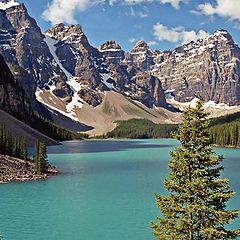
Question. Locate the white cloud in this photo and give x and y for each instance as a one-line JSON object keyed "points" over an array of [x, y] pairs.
{"points": [[64, 10], [152, 43], [223, 8], [174, 3], [176, 35]]}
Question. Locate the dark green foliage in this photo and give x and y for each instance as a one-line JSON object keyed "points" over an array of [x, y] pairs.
{"points": [[225, 119], [224, 131], [40, 158], [8, 146], [195, 208], [141, 128], [52, 130], [227, 134]]}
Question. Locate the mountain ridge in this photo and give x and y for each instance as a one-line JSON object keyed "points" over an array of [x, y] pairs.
{"points": [[64, 72]]}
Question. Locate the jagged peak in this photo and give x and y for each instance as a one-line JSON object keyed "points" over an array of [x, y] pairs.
{"points": [[222, 35], [60, 31], [141, 47], [5, 4], [110, 45], [141, 43], [64, 27]]}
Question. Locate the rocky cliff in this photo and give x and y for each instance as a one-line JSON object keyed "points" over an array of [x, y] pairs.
{"points": [[13, 98], [209, 68], [23, 47]]}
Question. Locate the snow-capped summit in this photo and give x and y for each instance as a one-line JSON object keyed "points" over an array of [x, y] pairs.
{"points": [[5, 4]]}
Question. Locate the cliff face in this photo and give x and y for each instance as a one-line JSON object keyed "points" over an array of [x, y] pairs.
{"points": [[23, 47], [209, 68], [13, 99]]}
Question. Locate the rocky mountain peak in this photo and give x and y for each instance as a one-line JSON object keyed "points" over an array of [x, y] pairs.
{"points": [[63, 32], [142, 55], [110, 46], [140, 46]]}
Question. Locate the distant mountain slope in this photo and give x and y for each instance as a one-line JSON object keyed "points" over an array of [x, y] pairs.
{"points": [[114, 107], [19, 129], [14, 101]]}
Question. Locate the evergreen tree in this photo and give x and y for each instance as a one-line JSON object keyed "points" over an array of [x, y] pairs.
{"points": [[40, 158], [43, 157], [195, 208], [36, 158]]}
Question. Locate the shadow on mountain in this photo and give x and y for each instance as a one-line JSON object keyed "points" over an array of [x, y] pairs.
{"points": [[68, 123]]}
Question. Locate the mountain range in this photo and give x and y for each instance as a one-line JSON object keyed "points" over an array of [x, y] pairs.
{"points": [[70, 82]]}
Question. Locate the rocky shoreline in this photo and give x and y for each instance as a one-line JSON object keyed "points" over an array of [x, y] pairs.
{"points": [[14, 169]]}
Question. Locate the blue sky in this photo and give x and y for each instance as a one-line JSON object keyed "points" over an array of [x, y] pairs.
{"points": [[164, 24]]}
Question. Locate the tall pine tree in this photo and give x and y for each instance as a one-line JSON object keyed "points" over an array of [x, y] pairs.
{"points": [[195, 208], [40, 158], [43, 157]]}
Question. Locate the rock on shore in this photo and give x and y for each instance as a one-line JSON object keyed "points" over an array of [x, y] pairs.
{"points": [[14, 169]]}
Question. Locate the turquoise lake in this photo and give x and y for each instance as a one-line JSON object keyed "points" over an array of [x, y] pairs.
{"points": [[105, 191]]}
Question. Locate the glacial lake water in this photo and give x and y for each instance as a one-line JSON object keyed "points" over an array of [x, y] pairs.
{"points": [[105, 191]]}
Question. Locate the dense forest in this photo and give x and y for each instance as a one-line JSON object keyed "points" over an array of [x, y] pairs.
{"points": [[14, 147], [142, 129], [224, 130], [52, 130], [227, 134]]}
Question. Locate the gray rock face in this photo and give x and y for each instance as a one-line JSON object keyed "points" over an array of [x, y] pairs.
{"points": [[12, 98], [142, 55], [106, 68], [209, 68], [22, 44]]}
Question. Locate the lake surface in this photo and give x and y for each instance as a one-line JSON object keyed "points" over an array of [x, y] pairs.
{"points": [[105, 192]]}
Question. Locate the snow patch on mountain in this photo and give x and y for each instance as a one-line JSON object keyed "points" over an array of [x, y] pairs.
{"points": [[70, 114], [75, 86], [76, 100], [105, 77], [8, 4], [207, 105], [52, 47]]}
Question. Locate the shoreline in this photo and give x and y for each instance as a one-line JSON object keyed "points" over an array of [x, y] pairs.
{"points": [[17, 170], [125, 138]]}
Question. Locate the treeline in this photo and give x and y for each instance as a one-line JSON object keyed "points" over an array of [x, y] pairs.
{"points": [[224, 130], [141, 129], [16, 147], [225, 119], [53, 130], [227, 134]]}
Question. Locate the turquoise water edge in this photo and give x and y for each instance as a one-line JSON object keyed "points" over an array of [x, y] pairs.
{"points": [[105, 191]]}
